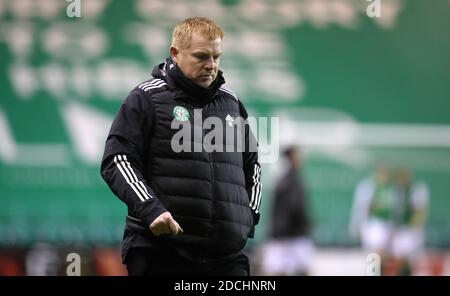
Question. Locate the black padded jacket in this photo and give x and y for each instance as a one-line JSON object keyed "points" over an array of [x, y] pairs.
{"points": [[213, 191]]}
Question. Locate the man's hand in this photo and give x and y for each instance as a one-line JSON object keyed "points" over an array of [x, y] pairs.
{"points": [[165, 224]]}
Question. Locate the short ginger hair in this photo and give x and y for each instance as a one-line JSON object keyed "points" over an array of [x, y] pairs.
{"points": [[182, 33]]}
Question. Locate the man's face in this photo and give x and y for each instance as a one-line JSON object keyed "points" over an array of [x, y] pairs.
{"points": [[200, 62]]}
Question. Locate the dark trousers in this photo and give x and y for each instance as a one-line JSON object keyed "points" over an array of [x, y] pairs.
{"points": [[149, 262]]}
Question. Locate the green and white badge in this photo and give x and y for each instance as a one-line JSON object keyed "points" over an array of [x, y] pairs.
{"points": [[180, 113]]}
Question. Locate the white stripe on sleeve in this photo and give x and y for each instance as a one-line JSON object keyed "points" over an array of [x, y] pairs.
{"points": [[129, 175], [139, 183], [256, 189]]}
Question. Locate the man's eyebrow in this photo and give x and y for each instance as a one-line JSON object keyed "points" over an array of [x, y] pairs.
{"points": [[206, 54]]}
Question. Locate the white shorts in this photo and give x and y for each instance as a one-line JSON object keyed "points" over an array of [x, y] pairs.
{"points": [[375, 235], [287, 256], [407, 242], [400, 242]]}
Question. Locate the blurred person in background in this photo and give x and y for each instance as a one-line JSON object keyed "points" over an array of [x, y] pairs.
{"points": [[189, 213], [290, 248], [371, 214], [410, 211], [388, 214]]}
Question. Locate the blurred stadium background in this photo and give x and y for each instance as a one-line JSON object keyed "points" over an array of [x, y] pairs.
{"points": [[349, 89]]}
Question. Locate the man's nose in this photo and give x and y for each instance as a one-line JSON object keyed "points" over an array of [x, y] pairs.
{"points": [[210, 63]]}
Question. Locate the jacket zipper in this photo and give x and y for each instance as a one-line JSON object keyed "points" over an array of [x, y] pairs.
{"points": [[213, 199], [212, 190]]}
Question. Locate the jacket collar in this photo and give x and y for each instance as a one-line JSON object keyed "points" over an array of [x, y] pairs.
{"points": [[175, 79]]}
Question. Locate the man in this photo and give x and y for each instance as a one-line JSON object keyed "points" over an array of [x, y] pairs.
{"points": [[389, 213], [371, 214], [190, 212], [290, 250], [410, 210]]}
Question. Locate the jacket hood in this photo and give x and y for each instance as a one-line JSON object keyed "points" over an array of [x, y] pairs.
{"points": [[171, 73]]}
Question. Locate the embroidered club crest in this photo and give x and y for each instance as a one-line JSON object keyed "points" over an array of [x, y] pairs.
{"points": [[180, 113]]}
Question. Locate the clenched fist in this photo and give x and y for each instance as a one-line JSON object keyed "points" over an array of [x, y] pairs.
{"points": [[165, 224]]}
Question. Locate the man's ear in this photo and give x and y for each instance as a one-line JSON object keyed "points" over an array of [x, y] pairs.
{"points": [[174, 53]]}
